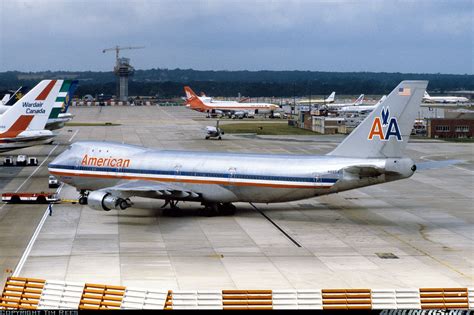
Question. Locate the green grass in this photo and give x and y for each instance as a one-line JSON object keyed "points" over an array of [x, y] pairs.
{"points": [[78, 124], [265, 129]]}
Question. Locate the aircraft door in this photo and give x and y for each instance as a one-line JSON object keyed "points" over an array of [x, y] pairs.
{"points": [[177, 171], [317, 178], [232, 171]]}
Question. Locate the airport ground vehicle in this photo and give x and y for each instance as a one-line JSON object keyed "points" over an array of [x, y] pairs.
{"points": [[8, 161], [214, 132], [22, 159], [53, 182], [30, 197]]}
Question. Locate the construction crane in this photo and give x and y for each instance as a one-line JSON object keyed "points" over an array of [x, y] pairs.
{"points": [[122, 70], [118, 49]]}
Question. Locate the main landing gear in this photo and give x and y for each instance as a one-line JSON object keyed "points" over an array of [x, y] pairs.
{"points": [[214, 209], [83, 197], [173, 210], [210, 209]]}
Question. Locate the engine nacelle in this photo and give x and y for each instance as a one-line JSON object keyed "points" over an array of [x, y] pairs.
{"points": [[100, 200]]}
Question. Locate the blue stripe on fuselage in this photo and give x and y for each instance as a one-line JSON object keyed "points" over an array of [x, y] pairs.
{"points": [[194, 174]]}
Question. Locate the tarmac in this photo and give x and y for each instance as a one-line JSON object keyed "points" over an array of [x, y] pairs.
{"points": [[413, 233]]}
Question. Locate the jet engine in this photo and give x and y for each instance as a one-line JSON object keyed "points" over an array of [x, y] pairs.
{"points": [[100, 200]]}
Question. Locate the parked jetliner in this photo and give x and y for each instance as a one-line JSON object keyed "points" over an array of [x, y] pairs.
{"points": [[208, 105], [23, 124], [361, 109], [357, 102], [107, 174], [328, 100], [59, 115], [443, 99]]}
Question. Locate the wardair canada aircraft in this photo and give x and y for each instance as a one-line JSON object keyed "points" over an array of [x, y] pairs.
{"points": [[109, 174], [58, 116], [23, 123]]}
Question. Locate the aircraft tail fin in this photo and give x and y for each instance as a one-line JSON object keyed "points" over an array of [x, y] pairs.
{"points": [[5, 99], [14, 97], [359, 100], [62, 98], [385, 131], [192, 100], [35, 107], [331, 98], [69, 96]]}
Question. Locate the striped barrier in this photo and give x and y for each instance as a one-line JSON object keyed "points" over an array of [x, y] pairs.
{"points": [[61, 295], [28, 293], [21, 293], [347, 299], [144, 299], [297, 299], [247, 300], [169, 301], [197, 300], [99, 296], [444, 298]]}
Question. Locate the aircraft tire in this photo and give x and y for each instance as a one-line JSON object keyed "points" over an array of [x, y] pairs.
{"points": [[210, 210], [83, 200], [227, 209]]}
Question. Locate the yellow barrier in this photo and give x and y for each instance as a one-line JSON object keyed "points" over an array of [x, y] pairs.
{"points": [[98, 296], [346, 299], [436, 298], [21, 293]]}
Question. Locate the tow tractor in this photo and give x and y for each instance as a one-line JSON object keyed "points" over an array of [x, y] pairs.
{"points": [[30, 197]]}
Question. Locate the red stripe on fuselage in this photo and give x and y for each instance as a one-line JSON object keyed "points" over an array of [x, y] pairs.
{"points": [[44, 94]]}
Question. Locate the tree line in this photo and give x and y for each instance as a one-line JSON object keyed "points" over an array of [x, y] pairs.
{"points": [[168, 83]]}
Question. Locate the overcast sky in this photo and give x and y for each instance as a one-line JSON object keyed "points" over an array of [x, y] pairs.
{"points": [[426, 36]]}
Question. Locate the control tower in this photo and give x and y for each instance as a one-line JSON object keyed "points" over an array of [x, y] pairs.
{"points": [[123, 70]]}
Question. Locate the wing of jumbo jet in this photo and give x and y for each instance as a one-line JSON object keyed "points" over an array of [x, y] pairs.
{"points": [[148, 189]]}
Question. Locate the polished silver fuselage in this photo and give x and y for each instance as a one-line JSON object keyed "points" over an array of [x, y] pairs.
{"points": [[219, 177]]}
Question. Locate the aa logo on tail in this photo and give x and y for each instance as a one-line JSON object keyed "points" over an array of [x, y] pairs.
{"points": [[385, 127]]}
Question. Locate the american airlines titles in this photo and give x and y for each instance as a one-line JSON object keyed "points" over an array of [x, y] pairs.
{"points": [[34, 108], [105, 161]]}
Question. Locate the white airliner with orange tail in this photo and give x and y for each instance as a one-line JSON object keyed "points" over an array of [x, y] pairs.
{"points": [[206, 104], [23, 124]]}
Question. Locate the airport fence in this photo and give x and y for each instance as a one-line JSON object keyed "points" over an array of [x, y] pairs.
{"points": [[30, 294], [121, 103]]}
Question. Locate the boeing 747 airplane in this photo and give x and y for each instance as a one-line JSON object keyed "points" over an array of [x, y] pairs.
{"points": [[206, 104], [108, 174]]}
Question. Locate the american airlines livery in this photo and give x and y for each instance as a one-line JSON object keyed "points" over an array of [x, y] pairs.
{"points": [[108, 174], [23, 124]]}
